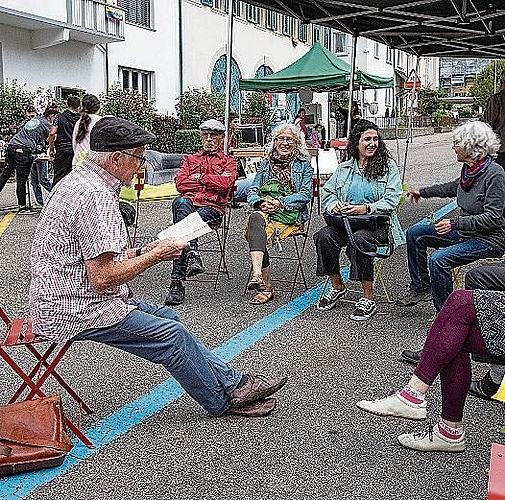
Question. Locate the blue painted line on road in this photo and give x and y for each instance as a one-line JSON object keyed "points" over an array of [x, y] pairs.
{"points": [[133, 413]]}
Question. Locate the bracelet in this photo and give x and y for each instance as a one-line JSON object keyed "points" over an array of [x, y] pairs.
{"points": [[138, 252]]}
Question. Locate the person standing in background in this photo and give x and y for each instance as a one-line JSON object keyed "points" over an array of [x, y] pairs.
{"points": [[60, 138], [300, 123], [82, 129], [494, 114]]}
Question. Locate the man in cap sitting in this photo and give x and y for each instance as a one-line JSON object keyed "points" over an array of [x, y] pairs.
{"points": [[80, 267], [206, 182]]}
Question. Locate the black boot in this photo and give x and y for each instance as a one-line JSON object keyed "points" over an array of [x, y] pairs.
{"points": [[484, 388], [176, 294]]}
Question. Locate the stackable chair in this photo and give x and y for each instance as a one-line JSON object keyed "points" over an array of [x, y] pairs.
{"points": [[18, 334], [291, 250]]}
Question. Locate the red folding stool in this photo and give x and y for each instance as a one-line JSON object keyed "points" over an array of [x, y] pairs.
{"points": [[19, 333]]}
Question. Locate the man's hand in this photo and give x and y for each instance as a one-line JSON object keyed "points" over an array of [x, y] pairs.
{"points": [[169, 249], [443, 226]]}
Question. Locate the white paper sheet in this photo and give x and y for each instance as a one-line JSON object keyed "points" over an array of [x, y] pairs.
{"points": [[187, 229]]}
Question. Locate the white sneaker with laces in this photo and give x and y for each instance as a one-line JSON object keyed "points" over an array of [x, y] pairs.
{"points": [[394, 406], [365, 309], [432, 440], [330, 298]]}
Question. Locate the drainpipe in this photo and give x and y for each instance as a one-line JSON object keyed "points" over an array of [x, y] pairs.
{"points": [[181, 59], [229, 52], [351, 82]]}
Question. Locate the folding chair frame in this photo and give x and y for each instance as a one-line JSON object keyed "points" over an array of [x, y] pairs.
{"points": [[19, 332]]}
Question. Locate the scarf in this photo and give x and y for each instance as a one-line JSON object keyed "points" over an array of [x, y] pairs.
{"points": [[469, 174], [281, 168]]}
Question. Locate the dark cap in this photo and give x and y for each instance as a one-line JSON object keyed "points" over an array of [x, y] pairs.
{"points": [[115, 134]]}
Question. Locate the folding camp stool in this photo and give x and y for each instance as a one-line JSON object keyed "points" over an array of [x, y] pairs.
{"points": [[19, 333]]}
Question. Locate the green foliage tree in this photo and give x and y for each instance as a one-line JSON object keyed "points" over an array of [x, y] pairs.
{"points": [[484, 86], [197, 105], [164, 128], [130, 105], [255, 106], [13, 100], [429, 101]]}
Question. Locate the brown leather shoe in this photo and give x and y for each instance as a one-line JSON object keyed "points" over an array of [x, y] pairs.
{"points": [[257, 409], [256, 388]]}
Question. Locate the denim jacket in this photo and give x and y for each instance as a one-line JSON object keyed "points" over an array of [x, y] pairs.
{"points": [[301, 173], [386, 189]]}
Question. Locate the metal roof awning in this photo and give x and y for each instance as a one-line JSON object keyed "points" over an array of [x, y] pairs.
{"points": [[442, 28]]}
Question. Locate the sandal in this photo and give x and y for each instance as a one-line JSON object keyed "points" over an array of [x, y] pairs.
{"points": [[263, 297], [256, 283]]}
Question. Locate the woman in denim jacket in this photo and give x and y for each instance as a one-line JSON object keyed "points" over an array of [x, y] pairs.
{"points": [[368, 183], [281, 212]]}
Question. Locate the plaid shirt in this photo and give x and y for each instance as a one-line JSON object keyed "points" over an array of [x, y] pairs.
{"points": [[80, 221]]}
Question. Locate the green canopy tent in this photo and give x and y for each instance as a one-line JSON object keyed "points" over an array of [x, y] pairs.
{"points": [[318, 70]]}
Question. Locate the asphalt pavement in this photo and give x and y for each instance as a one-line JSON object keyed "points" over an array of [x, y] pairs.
{"points": [[154, 443]]}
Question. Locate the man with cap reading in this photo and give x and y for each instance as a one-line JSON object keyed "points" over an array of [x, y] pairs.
{"points": [[80, 267], [205, 181]]}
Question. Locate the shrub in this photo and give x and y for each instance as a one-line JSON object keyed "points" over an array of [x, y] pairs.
{"points": [[255, 106], [13, 100], [164, 128], [197, 105], [130, 105], [187, 141]]}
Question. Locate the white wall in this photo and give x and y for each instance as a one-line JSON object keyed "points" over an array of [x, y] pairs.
{"points": [[51, 9]]}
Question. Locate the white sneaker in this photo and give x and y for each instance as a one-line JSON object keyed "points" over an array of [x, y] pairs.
{"points": [[330, 298], [432, 440], [365, 309], [394, 406]]}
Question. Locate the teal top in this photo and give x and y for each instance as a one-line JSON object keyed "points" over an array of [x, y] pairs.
{"points": [[386, 192]]}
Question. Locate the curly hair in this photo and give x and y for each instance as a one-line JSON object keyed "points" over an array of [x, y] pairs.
{"points": [[299, 139], [477, 139], [377, 165]]}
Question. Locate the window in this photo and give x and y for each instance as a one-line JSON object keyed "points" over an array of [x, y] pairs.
{"points": [[389, 97], [376, 50], [137, 11], [400, 59], [218, 81], [252, 14], [287, 25], [339, 43], [303, 32], [389, 54], [271, 20], [316, 34], [210, 3], [327, 38], [137, 79]]}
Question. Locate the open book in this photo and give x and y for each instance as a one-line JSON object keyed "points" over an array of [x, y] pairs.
{"points": [[187, 229]]}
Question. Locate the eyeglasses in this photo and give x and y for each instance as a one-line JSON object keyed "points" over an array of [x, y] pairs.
{"points": [[142, 159], [287, 140]]}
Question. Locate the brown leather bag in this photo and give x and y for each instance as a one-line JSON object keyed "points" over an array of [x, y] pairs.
{"points": [[32, 435]]}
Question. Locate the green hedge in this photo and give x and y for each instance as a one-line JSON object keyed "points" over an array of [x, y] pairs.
{"points": [[187, 141]]}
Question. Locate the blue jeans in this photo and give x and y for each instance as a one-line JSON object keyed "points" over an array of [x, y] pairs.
{"points": [[39, 177], [242, 186], [451, 252], [182, 207], [156, 333]]}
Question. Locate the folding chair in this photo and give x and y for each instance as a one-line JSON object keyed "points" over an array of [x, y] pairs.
{"points": [[458, 273], [295, 254], [19, 333]]}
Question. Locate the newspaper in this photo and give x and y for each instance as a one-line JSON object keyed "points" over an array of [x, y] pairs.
{"points": [[187, 229]]}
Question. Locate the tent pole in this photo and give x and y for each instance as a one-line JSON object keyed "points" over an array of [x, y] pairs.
{"points": [[410, 128], [351, 82], [229, 51]]}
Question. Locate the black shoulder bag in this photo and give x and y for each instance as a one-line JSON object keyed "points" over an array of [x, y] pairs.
{"points": [[356, 222]]}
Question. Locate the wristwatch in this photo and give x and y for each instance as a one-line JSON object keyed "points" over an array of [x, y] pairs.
{"points": [[138, 252], [368, 209]]}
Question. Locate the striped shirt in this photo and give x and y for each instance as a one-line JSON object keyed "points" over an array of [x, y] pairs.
{"points": [[80, 221]]}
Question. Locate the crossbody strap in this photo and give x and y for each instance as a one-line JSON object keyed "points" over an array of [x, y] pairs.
{"points": [[352, 241]]}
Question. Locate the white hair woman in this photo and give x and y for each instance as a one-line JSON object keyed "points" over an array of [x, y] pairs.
{"points": [[476, 232], [279, 194]]}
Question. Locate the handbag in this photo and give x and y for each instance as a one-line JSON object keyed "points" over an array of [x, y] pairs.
{"points": [[274, 189], [353, 223], [32, 435]]}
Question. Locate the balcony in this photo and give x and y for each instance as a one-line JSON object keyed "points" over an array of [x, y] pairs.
{"points": [[88, 21]]}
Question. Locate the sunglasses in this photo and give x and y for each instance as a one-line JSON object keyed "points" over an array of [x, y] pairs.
{"points": [[142, 159]]}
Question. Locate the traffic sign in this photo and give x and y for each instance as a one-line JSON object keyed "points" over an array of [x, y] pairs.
{"points": [[412, 81]]}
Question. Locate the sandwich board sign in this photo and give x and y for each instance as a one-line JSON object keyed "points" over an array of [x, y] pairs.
{"points": [[413, 81]]}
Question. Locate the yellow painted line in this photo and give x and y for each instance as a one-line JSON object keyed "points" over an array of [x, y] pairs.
{"points": [[4, 223]]}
